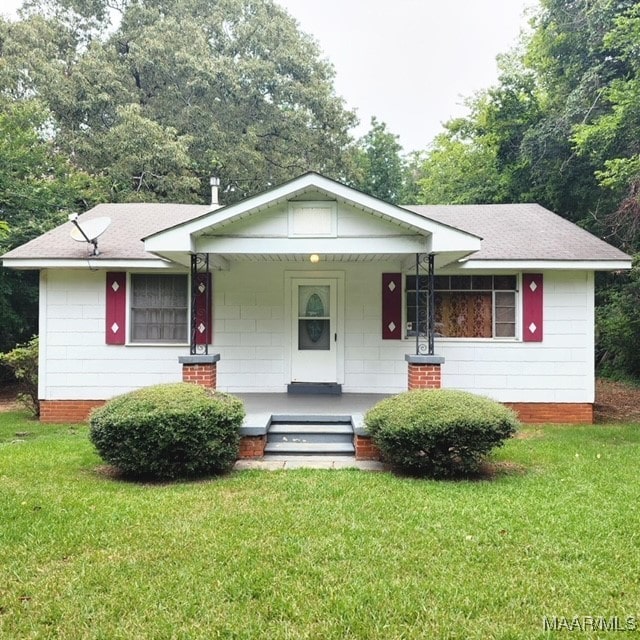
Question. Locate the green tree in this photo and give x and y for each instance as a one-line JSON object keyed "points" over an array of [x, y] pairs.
{"points": [[379, 167], [618, 325], [196, 87], [478, 158], [611, 138], [561, 127], [38, 188], [458, 170]]}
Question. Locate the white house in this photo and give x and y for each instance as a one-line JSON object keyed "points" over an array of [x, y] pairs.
{"points": [[311, 286]]}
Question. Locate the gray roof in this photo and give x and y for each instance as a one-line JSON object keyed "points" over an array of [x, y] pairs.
{"points": [[509, 232], [521, 232], [130, 222]]}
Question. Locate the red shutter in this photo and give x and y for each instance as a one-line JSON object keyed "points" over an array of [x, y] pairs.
{"points": [[532, 311], [116, 308], [203, 294], [391, 306]]}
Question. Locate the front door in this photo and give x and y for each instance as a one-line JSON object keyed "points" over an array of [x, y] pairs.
{"points": [[314, 330]]}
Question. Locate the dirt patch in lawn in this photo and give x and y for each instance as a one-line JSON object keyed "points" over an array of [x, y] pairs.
{"points": [[8, 393], [617, 402]]}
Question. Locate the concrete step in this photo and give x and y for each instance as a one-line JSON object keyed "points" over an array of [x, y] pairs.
{"points": [[310, 418], [309, 448], [298, 436], [333, 429]]}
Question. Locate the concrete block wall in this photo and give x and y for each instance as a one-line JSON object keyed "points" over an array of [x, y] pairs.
{"points": [[250, 335]]}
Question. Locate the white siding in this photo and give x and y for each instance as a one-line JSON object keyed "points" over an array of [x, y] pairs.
{"points": [[351, 222], [75, 362], [250, 335], [559, 369]]}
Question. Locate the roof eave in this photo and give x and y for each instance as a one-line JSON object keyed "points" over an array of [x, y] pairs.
{"points": [[543, 265], [91, 263], [175, 238]]}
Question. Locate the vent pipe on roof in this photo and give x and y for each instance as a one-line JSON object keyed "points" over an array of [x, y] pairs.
{"points": [[215, 183]]}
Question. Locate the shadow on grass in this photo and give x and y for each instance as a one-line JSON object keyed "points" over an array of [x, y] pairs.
{"points": [[487, 472], [109, 472]]}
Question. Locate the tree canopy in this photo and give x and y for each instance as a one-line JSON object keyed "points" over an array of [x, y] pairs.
{"points": [[561, 128], [148, 106], [178, 91], [38, 187], [378, 167]]}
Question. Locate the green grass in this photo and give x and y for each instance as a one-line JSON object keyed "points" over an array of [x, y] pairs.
{"points": [[318, 554]]}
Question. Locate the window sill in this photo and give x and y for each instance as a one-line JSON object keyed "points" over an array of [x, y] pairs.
{"points": [[410, 340], [181, 345]]}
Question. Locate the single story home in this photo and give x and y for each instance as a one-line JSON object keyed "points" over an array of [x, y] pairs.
{"points": [[314, 286]]}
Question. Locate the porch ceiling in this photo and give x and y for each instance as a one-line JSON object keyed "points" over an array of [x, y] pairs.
{"points": [[223, 261], [283, 257]]}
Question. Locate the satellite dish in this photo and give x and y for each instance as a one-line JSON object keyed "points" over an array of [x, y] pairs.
{"points": [[90, 230]]}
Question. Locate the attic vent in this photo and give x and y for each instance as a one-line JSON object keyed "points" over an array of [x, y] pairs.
{"points": [[312, 219]]}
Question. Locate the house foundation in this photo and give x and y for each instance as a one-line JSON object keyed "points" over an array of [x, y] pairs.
{"points": [[67, 411]]}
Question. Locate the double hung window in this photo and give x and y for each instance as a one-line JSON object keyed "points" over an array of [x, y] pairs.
{"points": [[159, 308]]}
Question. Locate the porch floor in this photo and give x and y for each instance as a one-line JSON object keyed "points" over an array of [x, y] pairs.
{"points": [[258, 404]]}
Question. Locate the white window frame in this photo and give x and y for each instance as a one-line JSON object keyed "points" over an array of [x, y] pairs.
{"points": [[518, 313], [129, 324]]}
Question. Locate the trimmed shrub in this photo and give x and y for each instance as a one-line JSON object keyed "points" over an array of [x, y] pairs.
{"points": [[169, 431], [23, 363], [439, 432]]}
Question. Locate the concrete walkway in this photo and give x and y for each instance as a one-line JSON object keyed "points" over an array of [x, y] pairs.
{"points": [[276, 463]]}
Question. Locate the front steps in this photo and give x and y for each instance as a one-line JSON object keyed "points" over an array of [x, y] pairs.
{"points": [[310, 435]]}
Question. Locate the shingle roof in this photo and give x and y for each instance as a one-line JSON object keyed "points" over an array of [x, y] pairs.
{"points": [[509, 232], [130, 222], [521, 232]]}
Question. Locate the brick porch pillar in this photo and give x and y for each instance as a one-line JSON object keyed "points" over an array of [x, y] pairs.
{"points": [[424, 372], [202, 370], [365, 448]]}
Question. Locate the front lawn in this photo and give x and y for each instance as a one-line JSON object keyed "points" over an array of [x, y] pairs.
{"points": [[320, 554]]}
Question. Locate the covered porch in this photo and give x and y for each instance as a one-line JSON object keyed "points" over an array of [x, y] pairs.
{"points": [[305, 284]]}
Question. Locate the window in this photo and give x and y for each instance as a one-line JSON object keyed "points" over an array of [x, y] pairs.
{"points": [[159, 308], [466, 306]]}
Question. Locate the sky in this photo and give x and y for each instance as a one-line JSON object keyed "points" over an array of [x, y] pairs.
{"points": [[410, 63]]}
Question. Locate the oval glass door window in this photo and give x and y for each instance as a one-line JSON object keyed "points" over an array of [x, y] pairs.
{"points": [[315, 308], [313, 322]]}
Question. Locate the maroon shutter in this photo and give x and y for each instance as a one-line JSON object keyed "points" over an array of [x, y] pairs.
{"points": [[116, 308], [203, 294], [391, 306], [532, 312]]}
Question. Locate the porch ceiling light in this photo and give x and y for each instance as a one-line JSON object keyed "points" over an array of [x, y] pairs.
{"points": [[314, 257]]}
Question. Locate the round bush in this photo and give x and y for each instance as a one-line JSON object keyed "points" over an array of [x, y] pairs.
{"points": [[169, 431], [439, 432]]}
